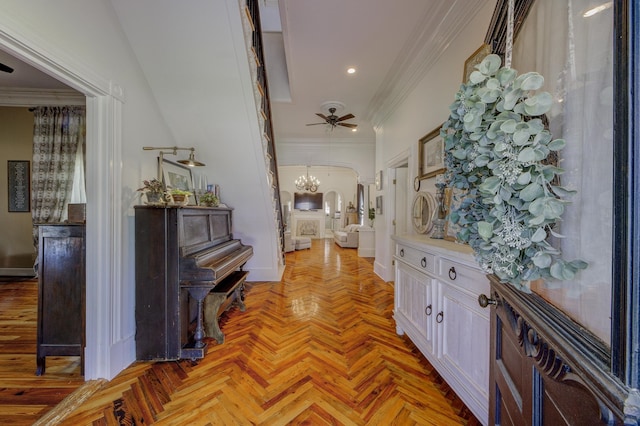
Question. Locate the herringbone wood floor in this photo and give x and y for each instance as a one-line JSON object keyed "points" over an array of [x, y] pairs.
{"points": [[317, 348]]}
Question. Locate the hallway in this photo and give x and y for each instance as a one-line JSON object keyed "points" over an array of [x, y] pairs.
{"points": [[319, 347]]}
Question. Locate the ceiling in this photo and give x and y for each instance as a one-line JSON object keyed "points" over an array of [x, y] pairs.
{"points": [[309, 45], [390, 43]]}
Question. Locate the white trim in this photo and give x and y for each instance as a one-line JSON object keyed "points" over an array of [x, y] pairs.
{"points": [[104, 118], [22, 97]]}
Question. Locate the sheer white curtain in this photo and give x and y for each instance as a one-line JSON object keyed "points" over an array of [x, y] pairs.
{"points": [[574, 54]]}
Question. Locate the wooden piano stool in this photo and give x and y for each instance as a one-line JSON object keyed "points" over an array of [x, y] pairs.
{"points": [[228, 293]]}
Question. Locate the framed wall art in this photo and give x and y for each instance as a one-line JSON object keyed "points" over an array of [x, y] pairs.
{"points": [[379, 204], [473, 60], [19, 186], [379, 180], [430, 155], [177, 176]]}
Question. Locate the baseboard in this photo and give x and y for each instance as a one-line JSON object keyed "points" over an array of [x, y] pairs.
{"points": [[17, 272]]}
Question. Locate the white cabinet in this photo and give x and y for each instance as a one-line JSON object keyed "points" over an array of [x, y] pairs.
{"points": [[436, 304], [366, 242]]}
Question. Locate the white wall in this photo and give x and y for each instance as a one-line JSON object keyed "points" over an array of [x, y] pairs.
{"points": [[358, 155], [82, 43], [83, 40], [425, 108]]}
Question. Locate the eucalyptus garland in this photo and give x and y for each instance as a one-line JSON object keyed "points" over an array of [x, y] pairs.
{"points": [[496, 148]]}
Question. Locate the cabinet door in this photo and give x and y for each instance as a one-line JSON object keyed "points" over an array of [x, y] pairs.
{"points": [[414, 303], [462, 327]]}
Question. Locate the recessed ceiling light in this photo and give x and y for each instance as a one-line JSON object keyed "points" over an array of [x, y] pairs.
{"points": [[354, 130], [351, 70]]}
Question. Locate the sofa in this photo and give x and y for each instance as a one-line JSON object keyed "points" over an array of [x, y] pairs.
{"points": [[347, 237]]}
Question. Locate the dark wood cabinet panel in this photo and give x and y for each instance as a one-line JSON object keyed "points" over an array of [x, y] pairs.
{"points": [[540, 372], [61, 293]]}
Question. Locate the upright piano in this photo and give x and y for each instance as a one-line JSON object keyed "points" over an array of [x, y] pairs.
{"points": [[188, 270]]}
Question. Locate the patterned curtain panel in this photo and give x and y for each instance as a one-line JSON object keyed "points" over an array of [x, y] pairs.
{"points": [[57, 133]]}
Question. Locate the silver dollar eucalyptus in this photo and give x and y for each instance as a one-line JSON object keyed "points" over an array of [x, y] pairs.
{"points": [[496, 145]]}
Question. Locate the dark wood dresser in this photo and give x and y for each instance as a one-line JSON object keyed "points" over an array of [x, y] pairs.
{"points": [[61, 293], [188, 270]]}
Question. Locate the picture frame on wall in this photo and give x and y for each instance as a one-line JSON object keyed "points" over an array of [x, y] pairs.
{"points": [[177, 176], [379, 204], [473, 60], [430, 154], [379, 180], [19, 186]]}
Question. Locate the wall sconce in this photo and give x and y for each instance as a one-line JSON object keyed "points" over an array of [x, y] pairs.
{"points": [[191, 161]]}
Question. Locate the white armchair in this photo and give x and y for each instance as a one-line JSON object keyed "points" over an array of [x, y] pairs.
{"points": [[347, 237]]}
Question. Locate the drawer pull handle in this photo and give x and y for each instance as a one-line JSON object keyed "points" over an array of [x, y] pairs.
{"points": [[401, 252], [428, 310], [440, 317], [484, 301], [423, 262], [452, 273]]}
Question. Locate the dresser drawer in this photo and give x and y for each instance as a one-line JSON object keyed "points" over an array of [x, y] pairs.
{"points": [[417, 258], [463, 276]]}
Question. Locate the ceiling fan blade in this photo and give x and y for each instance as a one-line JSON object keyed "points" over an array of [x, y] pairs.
{"points": [[346, 117], [5, 68], [349, 125], [315, 124], [324, 117]]}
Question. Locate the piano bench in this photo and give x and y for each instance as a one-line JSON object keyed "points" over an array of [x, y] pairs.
{"points": [[228, 292]]}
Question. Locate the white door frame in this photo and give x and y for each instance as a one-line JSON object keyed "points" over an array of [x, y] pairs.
{"points": [[104, 213], [402, 159]]}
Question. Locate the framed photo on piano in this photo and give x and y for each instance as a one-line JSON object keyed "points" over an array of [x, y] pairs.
{"points": [[177, 176]]}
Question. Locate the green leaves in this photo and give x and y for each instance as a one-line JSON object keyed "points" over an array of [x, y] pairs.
{"points": [[496, 148]]}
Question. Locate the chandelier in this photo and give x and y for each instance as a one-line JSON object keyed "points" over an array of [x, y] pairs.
{"points": [[307, 183]]}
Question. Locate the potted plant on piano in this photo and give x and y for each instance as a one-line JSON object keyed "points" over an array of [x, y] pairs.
{"points": [[209, 199], [180, 196], [154, 191]]}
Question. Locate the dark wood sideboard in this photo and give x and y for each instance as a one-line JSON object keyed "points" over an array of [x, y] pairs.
{"points": [[61, 293]]}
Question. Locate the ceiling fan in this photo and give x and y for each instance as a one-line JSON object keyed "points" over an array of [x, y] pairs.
{"points": [[5, 68], [334, 120]]}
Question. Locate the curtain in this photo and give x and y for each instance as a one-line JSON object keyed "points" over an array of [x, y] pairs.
{"points": [[58, 138], [571, 47]]}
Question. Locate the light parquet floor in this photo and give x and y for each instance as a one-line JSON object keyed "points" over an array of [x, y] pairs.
{"points": [[317, 348]]}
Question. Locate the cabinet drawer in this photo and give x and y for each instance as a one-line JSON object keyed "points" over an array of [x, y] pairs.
{"points": [[463, 276], [417, 258]]}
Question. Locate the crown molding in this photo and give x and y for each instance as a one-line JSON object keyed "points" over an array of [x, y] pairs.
{"points": [[22, 97], [439, 27]]}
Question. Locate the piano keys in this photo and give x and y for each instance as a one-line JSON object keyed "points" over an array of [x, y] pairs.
{"points": [[187, 262]]}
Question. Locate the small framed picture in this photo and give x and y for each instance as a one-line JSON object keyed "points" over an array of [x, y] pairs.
{"points": [[19, 186], [430, 155], [473, 60], [379, 180], [379, 204], [177, 176]]}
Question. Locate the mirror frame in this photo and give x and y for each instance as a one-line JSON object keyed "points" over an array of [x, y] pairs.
{"points": [[623, 361]]}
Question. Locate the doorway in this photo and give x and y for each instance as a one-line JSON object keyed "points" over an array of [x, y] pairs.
{"points": [[103, 214]]}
